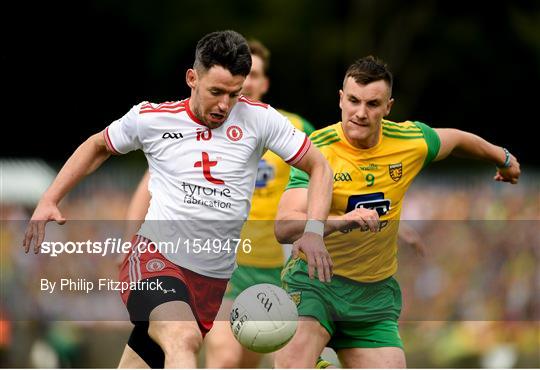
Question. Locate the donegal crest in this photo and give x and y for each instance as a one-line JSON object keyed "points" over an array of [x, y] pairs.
{"points": [[396, 171], [296, 297]]}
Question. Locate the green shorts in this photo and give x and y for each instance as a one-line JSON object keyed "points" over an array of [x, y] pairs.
{"points": [[245, 276], [357, 315]]}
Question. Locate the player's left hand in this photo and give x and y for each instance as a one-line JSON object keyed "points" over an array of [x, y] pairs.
{"points": [[35, 231], [509, 174], [312, 245]]}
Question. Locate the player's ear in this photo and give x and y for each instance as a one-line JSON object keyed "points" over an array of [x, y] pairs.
{"points": [[340, 98], [191, 78], [389, 106], [266, 86]]}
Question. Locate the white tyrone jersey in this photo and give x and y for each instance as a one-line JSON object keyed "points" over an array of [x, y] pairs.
{"points": [[202, 174]]}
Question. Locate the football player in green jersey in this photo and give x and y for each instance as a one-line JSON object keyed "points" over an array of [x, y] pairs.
{"points": [[374, 162]]}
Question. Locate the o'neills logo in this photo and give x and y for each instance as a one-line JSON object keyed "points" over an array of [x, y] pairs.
{"points": [[371, 167], [197, 194]]}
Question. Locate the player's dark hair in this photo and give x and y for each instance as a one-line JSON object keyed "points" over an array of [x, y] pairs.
{"points": [[257, 48], [369, 69], [227, 49]]}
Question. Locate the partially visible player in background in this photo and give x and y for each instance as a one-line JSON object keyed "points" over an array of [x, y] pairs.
{"points": [[265, 261], [357, 312]]}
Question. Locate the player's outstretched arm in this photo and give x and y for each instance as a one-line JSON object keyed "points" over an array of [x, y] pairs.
{"points": [[465, 144], [292, 215], [319, 197], [86, 159]]}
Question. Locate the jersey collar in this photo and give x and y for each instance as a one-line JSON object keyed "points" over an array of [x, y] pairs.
{"points": [[191, 115], [352, 147]]}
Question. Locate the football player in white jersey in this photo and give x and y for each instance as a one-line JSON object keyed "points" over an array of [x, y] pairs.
{"points": [[203, 154]]}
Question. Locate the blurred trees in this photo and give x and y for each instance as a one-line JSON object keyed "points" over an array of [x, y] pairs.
{"points": [[456, 63]]}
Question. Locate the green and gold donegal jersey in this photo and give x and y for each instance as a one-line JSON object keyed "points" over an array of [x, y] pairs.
{"points": [[272, 177], [375, 178]]}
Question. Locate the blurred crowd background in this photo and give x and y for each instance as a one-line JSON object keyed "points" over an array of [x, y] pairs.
{"points": [[68, 70], [472, 299]]}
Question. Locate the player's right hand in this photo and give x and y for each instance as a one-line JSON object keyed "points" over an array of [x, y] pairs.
{"points": [[317, 256], [362, 218], [509, 174], [35, 231]]}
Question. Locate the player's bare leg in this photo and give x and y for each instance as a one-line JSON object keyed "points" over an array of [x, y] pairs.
{"points": [[383, 357], [305, 347], [223, 350], [173, 327], [131, 360]]}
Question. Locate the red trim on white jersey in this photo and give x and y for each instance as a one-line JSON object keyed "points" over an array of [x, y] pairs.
{"points": [[167, 107], [162, 110], [108, 141], [243, 99], [191, 115], [301, 152]]}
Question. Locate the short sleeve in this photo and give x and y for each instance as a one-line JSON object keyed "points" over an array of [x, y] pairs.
{"points": [[122, 135], [297, 179], [282, 138], [432, 140]]}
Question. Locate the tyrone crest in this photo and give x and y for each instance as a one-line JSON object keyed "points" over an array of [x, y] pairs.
{"points": [[234, 133], [155, 265], [396, 171]]}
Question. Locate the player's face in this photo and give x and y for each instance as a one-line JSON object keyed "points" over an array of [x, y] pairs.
{"points": [[362, 110], [256, 84], [213, 94]]}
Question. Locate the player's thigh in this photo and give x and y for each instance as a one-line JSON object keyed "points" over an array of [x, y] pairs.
{"points": [[173, 324], [131, 360], [382, 357], [305, 346]]}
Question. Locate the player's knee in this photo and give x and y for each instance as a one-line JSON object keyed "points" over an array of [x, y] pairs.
{"points": [[223, 359], [175, 336], [222, 354], [291, 356], [298, 353], [285, 361]]}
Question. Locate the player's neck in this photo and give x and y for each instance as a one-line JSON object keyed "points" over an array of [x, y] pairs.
{"points": [[366, 143], [194, 113]]}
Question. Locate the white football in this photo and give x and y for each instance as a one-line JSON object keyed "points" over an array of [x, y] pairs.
{"points": [[263, 318]]}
